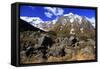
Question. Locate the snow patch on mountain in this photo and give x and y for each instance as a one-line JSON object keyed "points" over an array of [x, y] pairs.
{"points": [[72, 31], [92, 20], [32, 19], [74, 17], [69, 14], [38, 22], [71, 20]]}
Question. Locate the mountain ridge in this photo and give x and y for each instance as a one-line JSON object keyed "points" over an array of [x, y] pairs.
{"points": [[75, 24], [25, 26]]}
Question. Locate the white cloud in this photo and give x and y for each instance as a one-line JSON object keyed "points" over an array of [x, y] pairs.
{"points": [[55, 11], [50, 9], [60, 11], [48, 14]]}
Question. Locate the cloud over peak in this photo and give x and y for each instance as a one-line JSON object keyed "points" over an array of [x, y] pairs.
{"points": [[48, 14], [53, 11]]}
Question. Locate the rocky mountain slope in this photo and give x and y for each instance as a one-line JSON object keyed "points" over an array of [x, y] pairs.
{"points": [[73, 24]]}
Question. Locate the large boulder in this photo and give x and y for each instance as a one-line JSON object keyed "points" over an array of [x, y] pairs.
{"points": [[65, 41], [73, 40], [46, 41]]}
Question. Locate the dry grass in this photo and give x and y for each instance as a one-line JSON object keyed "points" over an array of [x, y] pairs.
{"points": [[77, 55]]}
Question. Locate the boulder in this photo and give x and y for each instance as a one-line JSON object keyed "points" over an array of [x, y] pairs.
{"points": [[73, 40], [46, 41], [56, 51]]}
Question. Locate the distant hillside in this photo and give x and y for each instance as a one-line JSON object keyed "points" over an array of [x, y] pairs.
{"points": [[24, 26]]}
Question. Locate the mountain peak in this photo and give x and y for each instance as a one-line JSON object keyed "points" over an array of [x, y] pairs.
{"points": [[69, 14]]}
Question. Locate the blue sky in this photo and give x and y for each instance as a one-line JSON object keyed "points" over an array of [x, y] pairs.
{"points": [[50, 13]]}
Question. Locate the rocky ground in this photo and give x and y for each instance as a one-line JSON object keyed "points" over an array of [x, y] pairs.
{"points": [[37, 47]]}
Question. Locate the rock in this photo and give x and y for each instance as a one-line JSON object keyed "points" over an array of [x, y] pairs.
{"points": [[56, 51], [59, 39], [29, 51], [22, 53], [73, 40], [36, 46], [91, 42], [45, 41], [65, 41], [68, 50], [22, 56]]}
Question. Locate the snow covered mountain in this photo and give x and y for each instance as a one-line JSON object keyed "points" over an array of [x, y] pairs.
{"points": [[74, 24], [73, 20], [74, 17]]}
